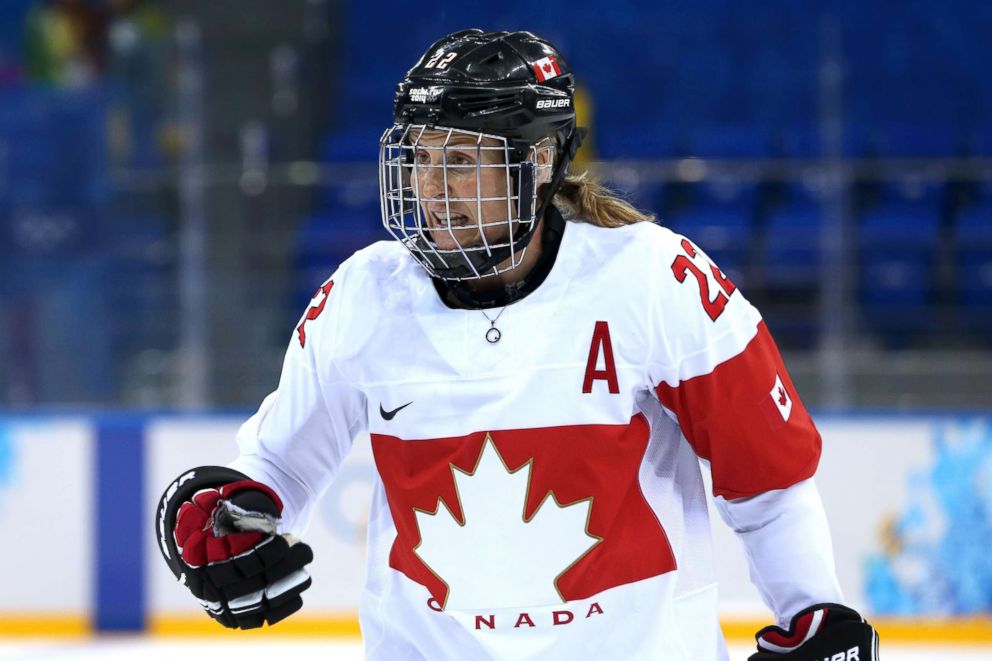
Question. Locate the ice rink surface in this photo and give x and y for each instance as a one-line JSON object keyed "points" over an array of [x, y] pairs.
{"points": [[169, 649]]}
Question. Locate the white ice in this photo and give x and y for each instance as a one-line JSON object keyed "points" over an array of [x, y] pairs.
{"points": [[126, 648]]}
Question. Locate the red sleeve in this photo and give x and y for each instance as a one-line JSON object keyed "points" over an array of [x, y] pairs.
{"points": [[747, 420]]}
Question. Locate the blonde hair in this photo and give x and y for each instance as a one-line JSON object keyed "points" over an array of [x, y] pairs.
{"points": [[589, 201]]}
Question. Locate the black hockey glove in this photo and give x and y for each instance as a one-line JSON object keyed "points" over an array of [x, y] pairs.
{"points": [[824, 632], [217, 532]]}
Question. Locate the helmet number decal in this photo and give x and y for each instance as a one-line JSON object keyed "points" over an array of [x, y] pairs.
{"points": [[683, 265], [441, 61]]}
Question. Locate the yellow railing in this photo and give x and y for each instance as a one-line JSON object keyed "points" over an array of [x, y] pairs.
{"points": [[970, 631]]}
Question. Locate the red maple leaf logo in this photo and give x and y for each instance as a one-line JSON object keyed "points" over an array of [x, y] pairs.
{"points": [[781, 396], [547, 68]]}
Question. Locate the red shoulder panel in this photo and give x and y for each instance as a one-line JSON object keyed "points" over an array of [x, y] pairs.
{"points": [[746, 418]]}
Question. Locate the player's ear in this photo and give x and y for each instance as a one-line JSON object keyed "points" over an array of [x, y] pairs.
{"points": [[544, 159]]}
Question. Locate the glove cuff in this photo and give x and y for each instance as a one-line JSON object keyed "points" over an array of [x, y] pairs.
{"points": [[245, 486], [804, 625], [819, 631], [182, 489]]}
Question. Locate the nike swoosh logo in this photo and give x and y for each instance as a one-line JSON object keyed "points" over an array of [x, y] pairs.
{"points": [[389, 415]]}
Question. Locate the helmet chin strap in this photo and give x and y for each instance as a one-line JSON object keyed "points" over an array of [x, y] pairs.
{"points": [[458, 293], [568, 152], [476, 263]]}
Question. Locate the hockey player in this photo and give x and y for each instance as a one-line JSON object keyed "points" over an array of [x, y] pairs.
{"points": [[542, 372]]}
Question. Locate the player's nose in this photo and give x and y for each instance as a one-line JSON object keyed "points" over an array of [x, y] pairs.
{"points": [[431, 181]]}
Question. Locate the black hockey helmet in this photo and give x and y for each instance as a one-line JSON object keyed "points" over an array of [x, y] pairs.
{"points": [[513, 85]]}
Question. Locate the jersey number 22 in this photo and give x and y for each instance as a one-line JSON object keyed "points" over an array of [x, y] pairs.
{"points": [[684, 264]]}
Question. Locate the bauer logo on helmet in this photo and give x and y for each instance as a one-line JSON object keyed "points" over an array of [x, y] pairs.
{"points": [[550, 104]]}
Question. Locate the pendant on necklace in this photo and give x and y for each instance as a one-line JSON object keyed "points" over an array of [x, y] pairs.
{"points": [[493, 334]]}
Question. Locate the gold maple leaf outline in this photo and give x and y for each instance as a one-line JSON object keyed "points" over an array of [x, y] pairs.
{"points": [[530, 476]]}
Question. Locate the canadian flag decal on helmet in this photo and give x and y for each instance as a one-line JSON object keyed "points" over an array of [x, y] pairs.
{"points": [[546, 68]]}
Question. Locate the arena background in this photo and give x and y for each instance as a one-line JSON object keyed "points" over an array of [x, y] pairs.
{"points": [[177, 177]]}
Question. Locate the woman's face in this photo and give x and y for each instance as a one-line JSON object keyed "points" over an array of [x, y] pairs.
{"points": [[462, 223]]}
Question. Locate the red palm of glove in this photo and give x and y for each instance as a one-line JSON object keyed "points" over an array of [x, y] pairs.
{"points": [[197, 538]]}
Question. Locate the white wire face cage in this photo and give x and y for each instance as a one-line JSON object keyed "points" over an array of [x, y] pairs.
{"points": [[488, 199]]}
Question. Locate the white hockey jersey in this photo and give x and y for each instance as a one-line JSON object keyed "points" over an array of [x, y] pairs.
{"points": [[541, 497]]}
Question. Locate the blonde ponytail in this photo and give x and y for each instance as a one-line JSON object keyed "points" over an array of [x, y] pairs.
{"points": [[589, 201]]}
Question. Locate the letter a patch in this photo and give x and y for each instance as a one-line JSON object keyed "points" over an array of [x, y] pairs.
{"points": [[601, 345]]}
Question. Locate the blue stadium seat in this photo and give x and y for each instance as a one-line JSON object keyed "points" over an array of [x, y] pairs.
{"points": [[12, 19], [140, 254], [352, 145], [897, 254], [731, 193], [895, 282], [900, 226], [353, 201], [981, 143], [916, 193], [742, 140], [52, 150], [792, 238], [795, 140], [907, 140], [896, 297], [972, 241], [974, 284], [973, 228], [622, 141]]}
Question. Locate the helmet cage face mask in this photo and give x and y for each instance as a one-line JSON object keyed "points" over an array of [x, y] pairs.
{"points": [[474, 254]]}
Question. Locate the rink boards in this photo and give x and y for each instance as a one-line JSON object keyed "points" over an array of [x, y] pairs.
{"points": [[909, 500]]}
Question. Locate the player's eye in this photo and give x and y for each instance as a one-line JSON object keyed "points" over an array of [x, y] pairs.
{"points": [[423, 158], [459, 159]]}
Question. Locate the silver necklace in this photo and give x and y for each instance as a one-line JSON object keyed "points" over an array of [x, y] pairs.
{"points": [[493, 334]]}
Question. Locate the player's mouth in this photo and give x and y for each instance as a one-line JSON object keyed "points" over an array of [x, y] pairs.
{"points": [[448, 218]]}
